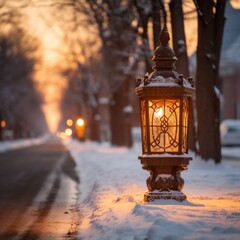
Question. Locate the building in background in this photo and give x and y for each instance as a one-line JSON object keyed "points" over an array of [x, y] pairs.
{"points": [[230, 64]]}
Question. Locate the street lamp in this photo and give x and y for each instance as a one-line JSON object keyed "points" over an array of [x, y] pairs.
{"points": [[80, 128], [68, 132], [80, 122], [165, 98], [3, 124], [69, 122]]}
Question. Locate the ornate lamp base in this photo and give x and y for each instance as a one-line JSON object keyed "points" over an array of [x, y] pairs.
{"points": [[165, 181], [157, 195]]}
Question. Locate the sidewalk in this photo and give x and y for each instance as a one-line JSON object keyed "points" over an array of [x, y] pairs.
{"points": [[112, 207]]}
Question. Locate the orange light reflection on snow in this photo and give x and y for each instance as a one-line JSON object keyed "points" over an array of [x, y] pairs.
{"points": [[224, 201]]}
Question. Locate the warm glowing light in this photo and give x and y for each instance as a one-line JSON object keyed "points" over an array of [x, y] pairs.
{"points": [[164, 137], [235, 4], [52, 114], [3, 124], [80, 122], [68, 132], [159, 112], [69, 122], [63, 135], [80, 128], [48, 76]]}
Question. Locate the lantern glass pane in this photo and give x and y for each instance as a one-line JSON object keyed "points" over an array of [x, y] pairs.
{"points": [[185, 125], [143, 123], [164, 125]]}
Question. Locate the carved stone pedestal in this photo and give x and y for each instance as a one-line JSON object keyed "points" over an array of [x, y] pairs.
{"points": [[165, 181]]}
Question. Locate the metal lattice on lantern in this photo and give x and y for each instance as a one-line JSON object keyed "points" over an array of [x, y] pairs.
{"points": [[165, 98]]}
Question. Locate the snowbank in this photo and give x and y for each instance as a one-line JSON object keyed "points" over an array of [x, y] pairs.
{"points": [[15, 144], [112, 185]]}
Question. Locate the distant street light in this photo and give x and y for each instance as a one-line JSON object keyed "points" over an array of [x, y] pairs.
{"points": [[164, 98], [3, 124], [69, 122], [68, 132], [63, 135], [80, 128], [80, 122]]}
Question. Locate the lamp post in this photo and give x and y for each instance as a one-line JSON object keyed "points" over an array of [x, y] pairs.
{"points": [[165, 98]]}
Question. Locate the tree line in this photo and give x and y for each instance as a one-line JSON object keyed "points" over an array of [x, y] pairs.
{"points": [[125, 32], [20, 102], [128, 32]]}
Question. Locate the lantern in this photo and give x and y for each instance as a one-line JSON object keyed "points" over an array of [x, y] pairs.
{"points": [[165, 99]]}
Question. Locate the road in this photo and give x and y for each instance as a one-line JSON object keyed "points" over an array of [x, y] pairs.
{"points": [[38, 193]]}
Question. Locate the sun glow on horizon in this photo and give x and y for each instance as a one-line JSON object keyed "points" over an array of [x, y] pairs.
{"points": [[49, 81], [51, 85], [53, 116]]}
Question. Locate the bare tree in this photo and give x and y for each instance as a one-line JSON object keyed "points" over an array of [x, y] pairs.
{"points": [[180, 48], [85, 73], [178, 36], [121, 25], [17, 90], [113, 20], [210, 33]]}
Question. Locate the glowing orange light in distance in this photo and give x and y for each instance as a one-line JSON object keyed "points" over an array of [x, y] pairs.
{"points": [[3, 124], [69, 122], [68, 132], [80, 122], [63, 135]]}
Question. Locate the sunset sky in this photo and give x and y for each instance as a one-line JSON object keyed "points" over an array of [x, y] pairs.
{"points": [[50, 83], [46, 27]]}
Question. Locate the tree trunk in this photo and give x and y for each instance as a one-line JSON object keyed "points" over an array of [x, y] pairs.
{"points": [[156, 19], [144, 19], [127, 112], [178, 37], [116, 112], [94, 125], [218, 36], [1, 128], [207, 101], [219, 22], [179, 46], [120, 119]]}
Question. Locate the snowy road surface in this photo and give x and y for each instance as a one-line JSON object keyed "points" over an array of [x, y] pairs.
{"points": [[38, 193]]}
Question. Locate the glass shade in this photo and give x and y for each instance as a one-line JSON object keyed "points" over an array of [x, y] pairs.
{"points": [[164, 125]]}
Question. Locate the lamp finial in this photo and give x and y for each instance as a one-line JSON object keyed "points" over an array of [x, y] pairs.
{"points": [[164, 36]]}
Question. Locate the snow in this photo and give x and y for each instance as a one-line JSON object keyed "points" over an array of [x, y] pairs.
{"points": [[112, 185], [160, 81], [128, 109], [167, 155], [21, 143]]}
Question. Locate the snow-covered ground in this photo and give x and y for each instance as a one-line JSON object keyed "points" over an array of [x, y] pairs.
{"points": [[111, 198], [112, 187], [21, 143]]}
